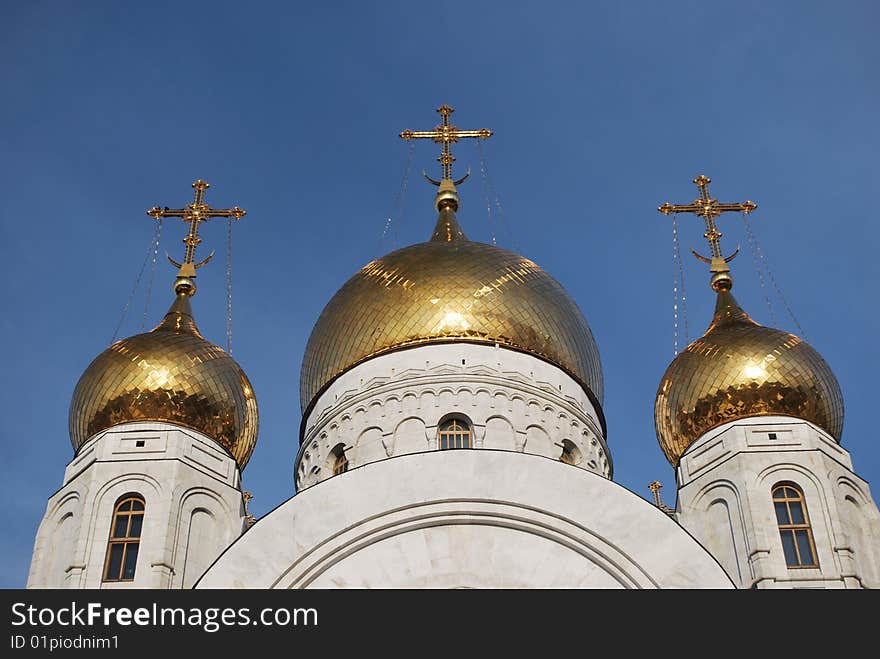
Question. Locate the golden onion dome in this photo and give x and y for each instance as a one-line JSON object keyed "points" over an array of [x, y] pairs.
{"points": [[169, 374], [449, 289], [740, 369]]}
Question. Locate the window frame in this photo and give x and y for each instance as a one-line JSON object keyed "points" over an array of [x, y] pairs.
{"points": [[779, 494], [129, 505], [463, 435]]}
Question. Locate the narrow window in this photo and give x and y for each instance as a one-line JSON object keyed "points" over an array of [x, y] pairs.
{"points": [[125, 538], [340, 461], [794, 526], [454, 433]]}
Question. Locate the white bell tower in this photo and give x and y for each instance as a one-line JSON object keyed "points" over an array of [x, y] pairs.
{"points": [[776, 501], [751, 417], [162, 424], [143, 505]]}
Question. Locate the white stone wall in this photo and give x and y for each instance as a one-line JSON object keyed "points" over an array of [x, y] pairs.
{"points": [[391, 405], [193, 508], [466, 519], [725, 481]]}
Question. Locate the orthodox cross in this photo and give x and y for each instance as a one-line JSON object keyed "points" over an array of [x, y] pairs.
{"points": [[194, 214], [709, 209], [446, 134]]}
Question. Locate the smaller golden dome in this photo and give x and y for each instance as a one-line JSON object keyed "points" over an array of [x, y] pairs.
{"points": [[169, 374], [740, 369]]}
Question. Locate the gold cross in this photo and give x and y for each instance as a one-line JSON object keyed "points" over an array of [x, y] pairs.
{"points": [[194, 213], [655, 487], [249, 519], [446, 135], [709, 209]]}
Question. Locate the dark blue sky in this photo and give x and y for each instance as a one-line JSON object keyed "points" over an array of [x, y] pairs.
{"points": [[601, 112]]}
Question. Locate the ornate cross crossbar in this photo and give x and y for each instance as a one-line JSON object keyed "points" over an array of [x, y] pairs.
{"points": [[194, 213], [446, 135], [709, 209]]}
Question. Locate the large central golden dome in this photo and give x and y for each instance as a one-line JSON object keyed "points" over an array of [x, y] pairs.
{"points": [[740, 369], [170, 374], [449, 289]]}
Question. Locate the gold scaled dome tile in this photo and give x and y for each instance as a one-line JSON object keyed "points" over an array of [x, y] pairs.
{"points": [[170, 374], [446, 290], [740, 369]]}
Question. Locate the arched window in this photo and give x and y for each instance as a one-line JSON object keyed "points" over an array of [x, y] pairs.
{"points": [[794, 526], [454, 433], [340, 461], [125, 538], [570, 453]]}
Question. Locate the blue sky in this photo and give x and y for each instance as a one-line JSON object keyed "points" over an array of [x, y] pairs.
{"points": [[601, 112]]}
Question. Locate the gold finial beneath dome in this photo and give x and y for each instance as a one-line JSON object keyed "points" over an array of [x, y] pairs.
{"points": [[445, 135], [193, 213], [447, 229], [709, 209]]}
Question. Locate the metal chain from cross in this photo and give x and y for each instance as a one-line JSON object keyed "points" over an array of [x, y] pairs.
{"points": [[446, 135], [709, 209], [194, 213]]}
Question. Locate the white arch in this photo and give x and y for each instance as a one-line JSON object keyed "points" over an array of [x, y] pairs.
{"points": [[353, 530]]}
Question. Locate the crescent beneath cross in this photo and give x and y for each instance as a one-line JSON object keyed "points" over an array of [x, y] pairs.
{"points": [[196, 266], [727, 259], [204, 260], [429, 179]]}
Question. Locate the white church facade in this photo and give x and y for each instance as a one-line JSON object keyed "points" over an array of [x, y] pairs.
{"points": [[453, 437]]}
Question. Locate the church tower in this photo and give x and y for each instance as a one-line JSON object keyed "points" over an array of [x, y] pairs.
{"points": [[751, 419], [162, 424]]}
